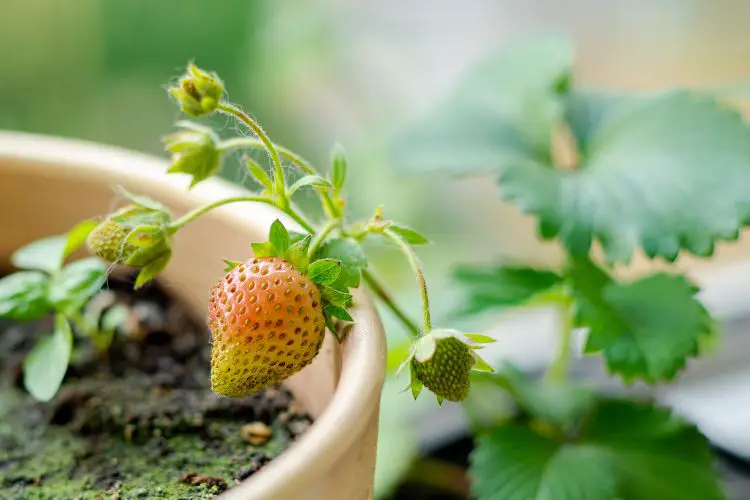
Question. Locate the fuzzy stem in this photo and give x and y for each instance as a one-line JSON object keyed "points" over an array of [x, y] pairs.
{"points": [[191, 216], [253, 143], [379, 290], [558, 370], [416, 267], [320, 237], [278, 173]]}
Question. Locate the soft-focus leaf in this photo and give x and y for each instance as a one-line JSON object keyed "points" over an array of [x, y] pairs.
{"points": [[338, 168], [77, 283], [152, 270], [625, 450], [503, 286], [45, 366], [411, 236], [46, 254], [23, 296], [77, 236], [646, 329]]}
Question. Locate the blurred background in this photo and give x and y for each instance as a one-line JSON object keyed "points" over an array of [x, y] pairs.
{"points": [[319, 71]]}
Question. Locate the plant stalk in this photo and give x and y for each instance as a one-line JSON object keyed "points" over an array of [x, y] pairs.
{"points": [[191, 216], [558, 370]]}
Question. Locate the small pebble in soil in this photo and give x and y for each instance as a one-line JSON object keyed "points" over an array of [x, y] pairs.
{"points": [[256, 433]]}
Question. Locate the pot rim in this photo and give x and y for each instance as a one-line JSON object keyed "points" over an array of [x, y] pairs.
{"points": [[362, 372]]}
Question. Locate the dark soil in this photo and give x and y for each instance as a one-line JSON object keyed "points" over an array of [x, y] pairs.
{"points": [[140, 422]]}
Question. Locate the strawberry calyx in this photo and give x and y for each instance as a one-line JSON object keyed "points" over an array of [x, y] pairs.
{"points": [[442, 360], [335, 267]]}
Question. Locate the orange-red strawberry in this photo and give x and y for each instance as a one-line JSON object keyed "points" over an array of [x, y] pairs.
{"points": [[267, 323]]}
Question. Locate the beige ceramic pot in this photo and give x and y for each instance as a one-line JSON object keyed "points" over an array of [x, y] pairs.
{"points": [[48, 184]]}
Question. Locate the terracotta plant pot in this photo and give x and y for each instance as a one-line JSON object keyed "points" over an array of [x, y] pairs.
{"points": [[48, 184]]}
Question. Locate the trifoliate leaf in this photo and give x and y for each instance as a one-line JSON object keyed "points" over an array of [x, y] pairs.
{"points": [[644, 181], [45, 366], [279, 237], [23, 296], [351, 255], [324, 271], [646, 329], [152, 270], [259, 174], [77, 236], [503, 286], [338, 168], [503, 111], [77, 282], [624, 450], [46, 254], [296, 254], [309, 180], [409, 235]]}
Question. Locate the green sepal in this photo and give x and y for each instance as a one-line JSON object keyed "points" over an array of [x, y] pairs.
{"points": [[78, 234], [145, 235], [336, 297], [331, 327], [480, 338], [337, 312], [151, 270], [230, 264], [141, 201], [324, 271], [279, 237], [259, 174], [415, 384], [296, 254], [265, 249], [309, 180], [338, 168], [411, 236], [480, 365]]}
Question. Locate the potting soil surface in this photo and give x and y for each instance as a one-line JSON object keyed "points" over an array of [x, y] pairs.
{"points": [[138, 421]]}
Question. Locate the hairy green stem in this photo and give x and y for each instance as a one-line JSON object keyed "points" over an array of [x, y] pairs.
{"points": [[278, 172], [320, 236], [379, 290], [558, 370], [416, 267], [253, 143], [191, 216]]}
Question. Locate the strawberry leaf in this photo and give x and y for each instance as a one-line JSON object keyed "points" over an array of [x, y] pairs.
{"points": [[45, 366], [625, 450], [502, 286], [409, 235], [646, 329], [46, 254], [279, 237], [335, 297], [324, 271], [72, 287], [352, 257], [23, 296], [502, 112], [337, 312], [77, 236]]}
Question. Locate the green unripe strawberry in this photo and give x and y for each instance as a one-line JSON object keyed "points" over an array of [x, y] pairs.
{"points": [[442, 362], [446, 373], [267, 323], [129, 237]]}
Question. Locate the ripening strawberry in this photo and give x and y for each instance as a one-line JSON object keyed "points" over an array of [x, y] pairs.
{"points": [[267, 323], [109, 240]]}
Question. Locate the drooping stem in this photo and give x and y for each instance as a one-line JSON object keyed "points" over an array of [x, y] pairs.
{"points": [[321, 236], [416, 267], [379, 290], [255, 128], [191, 216], [558, 370]]}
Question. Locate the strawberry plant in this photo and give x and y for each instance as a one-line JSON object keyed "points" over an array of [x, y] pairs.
{"points": [[606, 175], [269, 314]]}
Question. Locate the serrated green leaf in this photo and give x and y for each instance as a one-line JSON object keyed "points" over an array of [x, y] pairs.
{"points": [[309, 180], [502, 112], [230, 264], [411, 236], [279, 237], [77, 236], [140, 200], [336, 297], [45, 255], [625, 192], [296, 254], [627, 451], [646, 329], [585, 111], [502, 286], [352, 257], [338, 168], [337, 312], [324, 271], [72, 287], [23, 296], [259, 174], [45, 366], [152, 270]]}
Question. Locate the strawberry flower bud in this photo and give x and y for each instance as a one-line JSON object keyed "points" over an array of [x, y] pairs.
{"points": [[443, 360], [198, 91], [195, 151]]}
